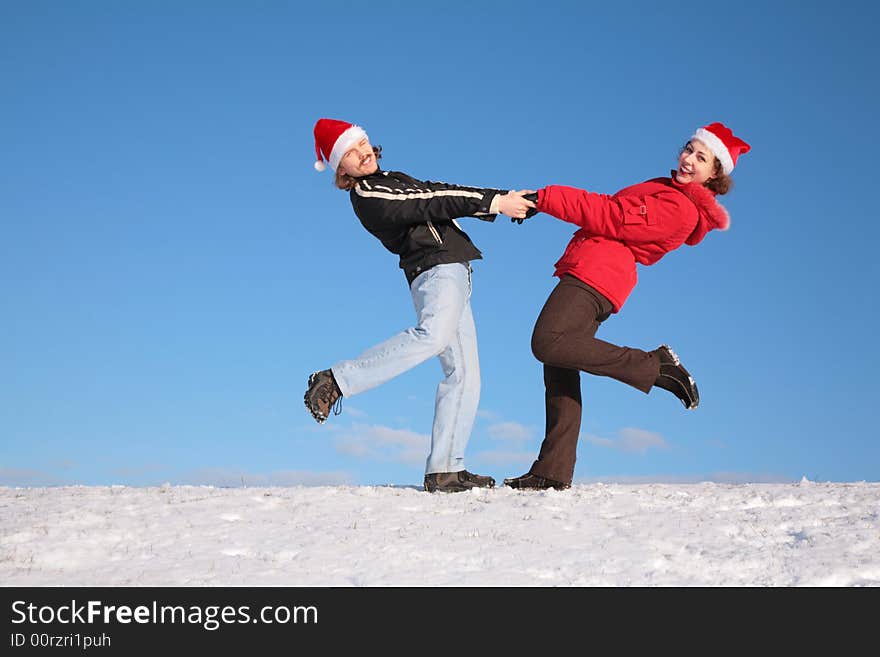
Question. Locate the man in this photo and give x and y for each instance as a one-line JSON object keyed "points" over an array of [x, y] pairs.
{"points": [[415, 220]]}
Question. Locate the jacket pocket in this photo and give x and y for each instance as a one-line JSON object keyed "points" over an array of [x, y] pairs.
{"points": [[638, 210], [425, 235], [435, 233]]}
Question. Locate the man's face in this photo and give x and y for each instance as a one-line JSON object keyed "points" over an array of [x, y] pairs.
{"points": [[359, 160]]}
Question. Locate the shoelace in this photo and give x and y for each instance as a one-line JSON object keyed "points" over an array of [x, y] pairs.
{"points": [[327, 394]]}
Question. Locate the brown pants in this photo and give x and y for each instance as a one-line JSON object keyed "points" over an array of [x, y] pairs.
{"points": [[564, 341]]}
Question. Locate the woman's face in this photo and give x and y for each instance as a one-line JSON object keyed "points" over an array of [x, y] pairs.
{"points": [[359, 160], [696, 163]]}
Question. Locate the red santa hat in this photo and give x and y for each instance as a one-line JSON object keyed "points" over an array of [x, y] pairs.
{"points": [[723, 144], [333, 139]]}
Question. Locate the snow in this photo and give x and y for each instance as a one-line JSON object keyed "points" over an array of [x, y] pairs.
{"points": [[804, 534]]}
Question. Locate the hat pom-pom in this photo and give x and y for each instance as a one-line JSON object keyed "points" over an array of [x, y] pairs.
{"points": [[319, 165]]}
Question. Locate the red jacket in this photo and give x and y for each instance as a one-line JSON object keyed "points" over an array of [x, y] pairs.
{"points": [[641, 223]]}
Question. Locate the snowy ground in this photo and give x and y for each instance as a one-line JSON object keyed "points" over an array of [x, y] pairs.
{"points": [[806, 534]]}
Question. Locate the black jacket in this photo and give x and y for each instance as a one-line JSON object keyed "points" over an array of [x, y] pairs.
{"points": [[415, 219]]}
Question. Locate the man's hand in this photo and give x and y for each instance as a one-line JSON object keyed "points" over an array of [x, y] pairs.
{"points": [[516, 206], [532, 211]]}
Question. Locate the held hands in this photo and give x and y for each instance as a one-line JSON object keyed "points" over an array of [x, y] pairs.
{"points": [[532, 211], [518, 205]]}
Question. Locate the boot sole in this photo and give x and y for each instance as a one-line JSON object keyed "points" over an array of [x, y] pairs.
{"points": [[450, 490], [693, 401], [320, 418], [456, 489]]}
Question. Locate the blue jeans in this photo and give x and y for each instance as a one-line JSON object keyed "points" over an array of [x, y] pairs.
{"points": [[445, 328]]}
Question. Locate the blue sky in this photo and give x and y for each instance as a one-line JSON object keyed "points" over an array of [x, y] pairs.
{"points": [[172, 268]]}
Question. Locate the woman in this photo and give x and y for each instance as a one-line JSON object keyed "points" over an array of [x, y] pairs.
{"points": [[415, 220], [597, 272]]}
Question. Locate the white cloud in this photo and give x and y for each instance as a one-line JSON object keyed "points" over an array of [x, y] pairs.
{"points": [[640, 441], [355, 412], [229, 478], [383, 443], [599, 442], [630, 440], [139, 470], [353, 448], [512, 431], [488, 415], [750, 478], [26, 477], [716, 477]]}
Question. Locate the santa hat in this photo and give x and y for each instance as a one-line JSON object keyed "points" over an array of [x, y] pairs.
{"points": [[723, 144], [333, 139]]}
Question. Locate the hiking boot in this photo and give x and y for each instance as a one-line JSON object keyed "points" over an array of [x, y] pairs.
{"points": [[456, 482], [675, 378], [479, 481], [322, 394], [530, 481]]}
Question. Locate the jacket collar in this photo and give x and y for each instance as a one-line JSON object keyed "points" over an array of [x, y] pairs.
{"points": [[378, 173], [711, 214]]}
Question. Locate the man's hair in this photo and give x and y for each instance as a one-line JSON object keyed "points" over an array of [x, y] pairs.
{"points": [[344, 181]]}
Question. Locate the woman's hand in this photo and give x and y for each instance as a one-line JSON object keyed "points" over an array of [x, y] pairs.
{"points": [[515, 206]]}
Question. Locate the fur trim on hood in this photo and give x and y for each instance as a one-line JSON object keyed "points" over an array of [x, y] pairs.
{"points": [[711, 214]]}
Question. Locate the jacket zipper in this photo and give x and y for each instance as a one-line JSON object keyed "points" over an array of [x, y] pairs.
{"points": [[435, 232]]}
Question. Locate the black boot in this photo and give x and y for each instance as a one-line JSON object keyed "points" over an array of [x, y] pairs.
{"points": [[530, 481], [675, 378], [456, 482], [321, 395]]}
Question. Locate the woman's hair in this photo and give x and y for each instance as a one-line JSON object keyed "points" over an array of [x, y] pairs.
{"points": [[344, 181], [720, 183]]}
